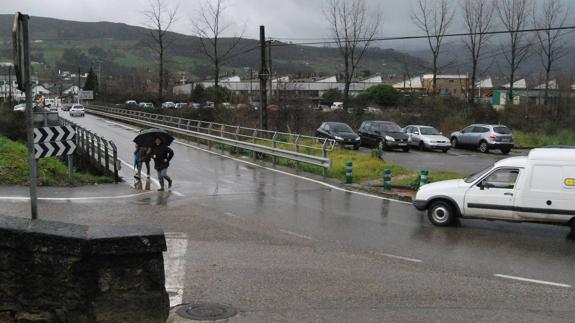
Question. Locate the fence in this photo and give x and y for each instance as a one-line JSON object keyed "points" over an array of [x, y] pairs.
{"points": [[102, 153], [299, 148]]}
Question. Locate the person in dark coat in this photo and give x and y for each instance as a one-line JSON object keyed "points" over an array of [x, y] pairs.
{"points": [[162, 155], [141, 157]]}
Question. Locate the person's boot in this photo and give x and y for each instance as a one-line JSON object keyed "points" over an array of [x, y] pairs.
{"points": [[169, 183], [160, 189]]}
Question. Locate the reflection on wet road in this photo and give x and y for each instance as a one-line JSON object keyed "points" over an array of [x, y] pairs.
{"points": [[376, 224]]}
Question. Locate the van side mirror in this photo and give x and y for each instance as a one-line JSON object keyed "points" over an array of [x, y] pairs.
{"points": [[485, 185]]}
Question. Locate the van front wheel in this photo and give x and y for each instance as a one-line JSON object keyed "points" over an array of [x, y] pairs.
{"points": [[441, 213]]}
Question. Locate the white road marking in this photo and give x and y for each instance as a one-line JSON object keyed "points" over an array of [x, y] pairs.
{"points": [[296, 234], [26, 198], [400, 257], [277, 170], [231, 214], [535, 281]]}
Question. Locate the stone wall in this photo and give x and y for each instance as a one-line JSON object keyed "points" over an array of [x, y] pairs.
{"points": [[59, 272]]}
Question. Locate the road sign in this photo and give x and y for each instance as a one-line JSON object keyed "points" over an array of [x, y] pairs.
{"points": [[60, 133], [18, 49], [86, 95], [54, 148]]}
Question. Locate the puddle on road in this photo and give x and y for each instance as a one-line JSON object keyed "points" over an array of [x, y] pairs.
{"points": [[175, 265]]}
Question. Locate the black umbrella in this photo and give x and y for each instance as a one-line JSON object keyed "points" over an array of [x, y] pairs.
{"points": [[147, 137]]}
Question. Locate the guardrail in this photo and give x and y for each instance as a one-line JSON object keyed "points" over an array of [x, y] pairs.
{"points": [[102, 153], [299, 148]]}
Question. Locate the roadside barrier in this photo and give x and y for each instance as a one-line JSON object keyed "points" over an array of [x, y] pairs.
{"points": [[349, 172], [299, 148], [102, 153], [387, 179]]}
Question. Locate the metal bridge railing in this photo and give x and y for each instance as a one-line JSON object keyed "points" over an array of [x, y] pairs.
{"points": [[299, 148], [102, 153]]}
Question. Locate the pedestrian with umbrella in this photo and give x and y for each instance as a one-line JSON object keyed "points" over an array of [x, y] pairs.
{"points": [[158, 140]]}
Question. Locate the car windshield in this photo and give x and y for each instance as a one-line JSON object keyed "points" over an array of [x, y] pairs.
{"points": [[473, 177], [340, 127], [388, 127], [429, 131], [502, 130]]}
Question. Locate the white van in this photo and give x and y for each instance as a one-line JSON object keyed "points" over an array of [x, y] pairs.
{"points": [[536, 188]]}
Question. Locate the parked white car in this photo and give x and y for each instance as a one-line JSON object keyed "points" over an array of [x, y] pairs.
{"points": [[427, 137], [538, 188], [336, 106], [168, 105], [77, 110], [146, 105], [20, 107]]}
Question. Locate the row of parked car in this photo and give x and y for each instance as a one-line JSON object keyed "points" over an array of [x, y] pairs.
{"points": [[387, 135], [165, 105]]}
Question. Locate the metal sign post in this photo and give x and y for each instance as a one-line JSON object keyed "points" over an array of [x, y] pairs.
{"points": [[21, 45]]}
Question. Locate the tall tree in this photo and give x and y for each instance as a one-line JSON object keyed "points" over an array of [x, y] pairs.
{"points": [[477, 17], [433, 17], [551, 46], [513, 15], [353, 28], [159, 19], [91, 83], [210, 26]]}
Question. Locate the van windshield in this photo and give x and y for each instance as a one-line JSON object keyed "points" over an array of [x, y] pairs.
{"points": [[473, 177]]}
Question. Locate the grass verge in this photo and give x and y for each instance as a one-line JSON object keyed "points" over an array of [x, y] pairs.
{"points": [[534, 139], [51, 171]]}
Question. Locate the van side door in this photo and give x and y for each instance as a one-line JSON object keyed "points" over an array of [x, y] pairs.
{"points": [[493, 196]]}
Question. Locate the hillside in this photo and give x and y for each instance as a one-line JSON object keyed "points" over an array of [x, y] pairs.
{"points": [[121, 48]]}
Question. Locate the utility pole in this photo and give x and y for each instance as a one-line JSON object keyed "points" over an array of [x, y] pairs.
{"points": [[79, 85], [10, 84], [270, 87], [264, 74]]}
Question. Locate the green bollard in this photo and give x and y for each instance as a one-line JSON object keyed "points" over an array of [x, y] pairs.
{"points": [[423, 177], [387, 179], [348, 172]]}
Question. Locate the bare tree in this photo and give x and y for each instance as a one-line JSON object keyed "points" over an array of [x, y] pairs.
{"points": [[478, 17], [551, 47], [210, 26], [353, 29], [159, 19], [433, 17], [513, 15]]}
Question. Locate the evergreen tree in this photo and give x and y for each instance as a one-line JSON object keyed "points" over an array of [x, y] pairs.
{"points": [[91, 82]]}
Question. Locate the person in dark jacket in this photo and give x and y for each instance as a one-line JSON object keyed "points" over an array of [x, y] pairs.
{"points": [[162, 155], [141, 157]]}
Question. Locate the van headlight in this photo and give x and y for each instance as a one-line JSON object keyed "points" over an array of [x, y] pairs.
{"points": [[388, 138]]}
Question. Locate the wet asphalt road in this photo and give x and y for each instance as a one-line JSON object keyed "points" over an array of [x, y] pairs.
{"points": [[309, 211]]}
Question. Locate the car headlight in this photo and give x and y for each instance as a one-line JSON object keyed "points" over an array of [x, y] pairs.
{"points": [[357, 138], [388, 138], [338, 138]]}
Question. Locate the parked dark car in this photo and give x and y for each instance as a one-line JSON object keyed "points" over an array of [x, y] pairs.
{"points": [[340, 132], [384, 135]]}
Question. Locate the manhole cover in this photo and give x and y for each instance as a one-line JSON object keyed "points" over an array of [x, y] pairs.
{"points": [[206, 312]]}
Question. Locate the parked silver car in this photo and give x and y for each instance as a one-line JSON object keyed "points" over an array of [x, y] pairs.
{"points": [[427, 137], [484, 137]]}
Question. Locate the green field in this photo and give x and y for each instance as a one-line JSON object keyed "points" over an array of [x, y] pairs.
{"points": [[51, 171]]}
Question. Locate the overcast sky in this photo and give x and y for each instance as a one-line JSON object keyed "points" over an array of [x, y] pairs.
{"points": [[290, 19]]}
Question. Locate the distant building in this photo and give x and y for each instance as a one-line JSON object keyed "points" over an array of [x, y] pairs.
{"points": [[447, 85], [307, 88]]}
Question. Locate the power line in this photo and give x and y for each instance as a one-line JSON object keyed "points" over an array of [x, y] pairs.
{"points": [[496, 32]]}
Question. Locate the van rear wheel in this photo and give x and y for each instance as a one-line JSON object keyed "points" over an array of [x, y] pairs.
{"points": [[441, 213]]}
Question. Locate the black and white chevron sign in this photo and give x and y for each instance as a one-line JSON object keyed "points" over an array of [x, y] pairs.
{"points": [[54, 148], [48, 134]]}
